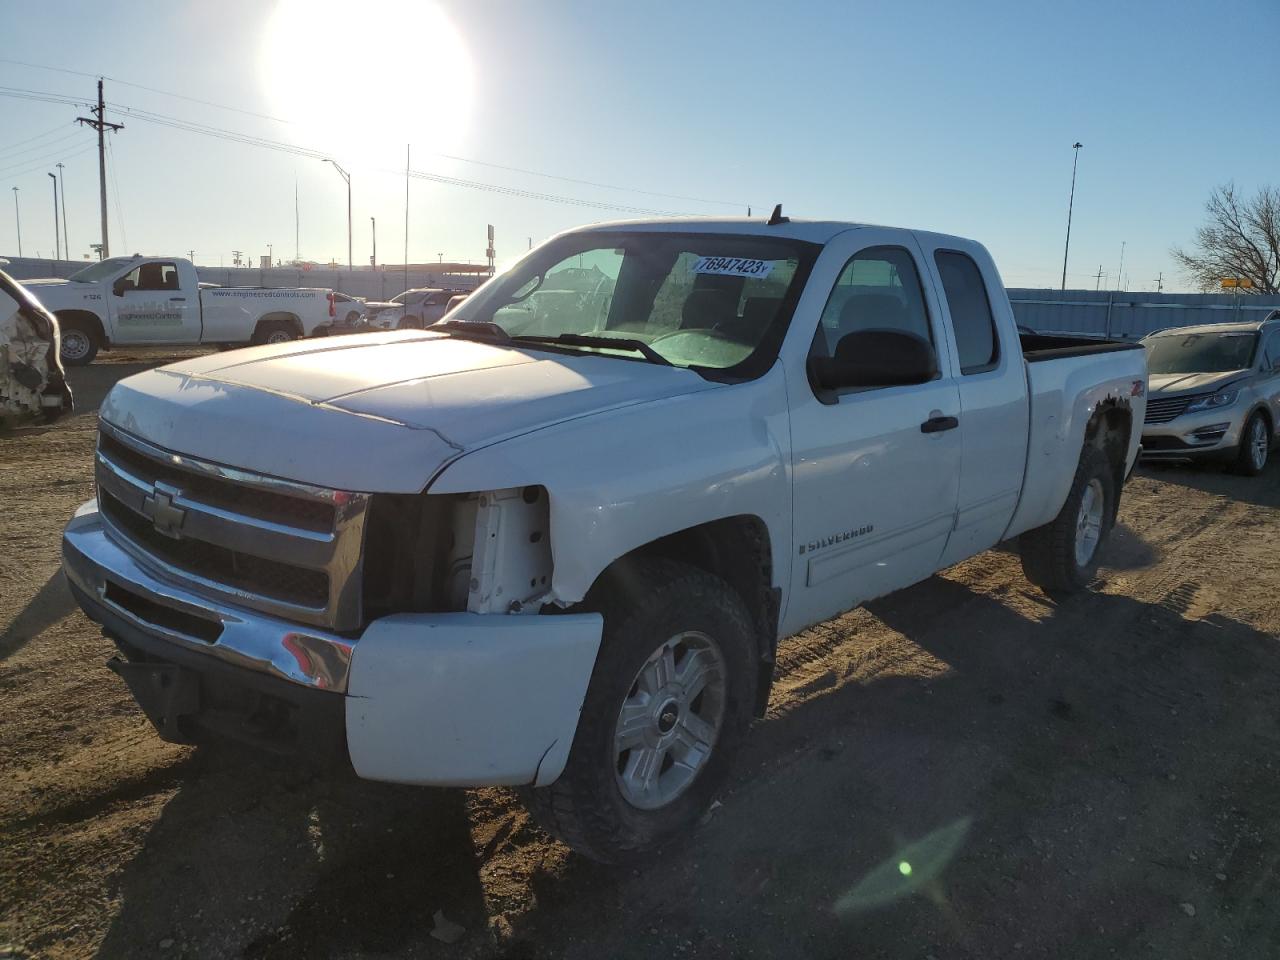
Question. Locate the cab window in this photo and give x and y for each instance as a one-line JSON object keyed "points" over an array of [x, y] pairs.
{"points": [[878, 289], [151, 276], [970, 307]]}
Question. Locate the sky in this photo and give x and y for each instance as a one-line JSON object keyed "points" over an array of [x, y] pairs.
{"points": [[955, 117]]}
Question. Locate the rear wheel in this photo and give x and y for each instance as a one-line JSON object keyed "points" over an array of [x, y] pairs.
{"points": [[79, 343], [669, 701], [274, 331], [1062, 556], [1255, 446]]}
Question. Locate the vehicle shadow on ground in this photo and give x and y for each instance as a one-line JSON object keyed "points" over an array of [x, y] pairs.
{"points": [[251, 861], [1090, 743], [52, 603], [90, 385], [1262, 490], [1090, 748]]}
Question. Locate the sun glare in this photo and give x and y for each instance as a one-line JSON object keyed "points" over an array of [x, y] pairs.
{"points": [[361, 80]]}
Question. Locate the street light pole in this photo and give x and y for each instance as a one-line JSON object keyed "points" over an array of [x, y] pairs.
{"points": [[57, 242], [17, 216], [347, 177], [1070, 204], [373, 260], [66, 241]]}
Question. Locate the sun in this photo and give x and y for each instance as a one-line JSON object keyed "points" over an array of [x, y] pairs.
{"points": [[360, 80]]}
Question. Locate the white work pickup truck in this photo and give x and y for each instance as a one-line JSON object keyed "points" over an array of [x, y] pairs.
{"points": [[146, 301], [564, 559]]}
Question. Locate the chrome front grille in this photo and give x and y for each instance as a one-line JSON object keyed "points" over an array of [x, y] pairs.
{"points": [[1164, 409], [277, 546]]}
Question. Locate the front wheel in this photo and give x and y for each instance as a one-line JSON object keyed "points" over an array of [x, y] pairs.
{"points": [[1062, 556], [78, 344], [274, 331], [669, 701], [1255, 446]]}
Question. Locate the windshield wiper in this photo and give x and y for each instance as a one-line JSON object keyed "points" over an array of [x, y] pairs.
{"points": [[605, 343]]}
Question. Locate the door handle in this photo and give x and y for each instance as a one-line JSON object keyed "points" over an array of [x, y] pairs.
{"points": [[938, 424], [177, 299]]}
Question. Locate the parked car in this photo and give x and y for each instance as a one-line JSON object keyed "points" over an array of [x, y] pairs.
{"points": [[1215, 394], [415, 309], [347, 309], [160, 300], [32, 382], [564, 560]]}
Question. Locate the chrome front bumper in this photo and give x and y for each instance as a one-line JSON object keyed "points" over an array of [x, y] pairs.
{"points": [[110, 576]]}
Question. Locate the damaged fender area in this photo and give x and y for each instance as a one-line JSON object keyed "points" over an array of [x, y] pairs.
{"points": [[464, 700], [24, 365]]}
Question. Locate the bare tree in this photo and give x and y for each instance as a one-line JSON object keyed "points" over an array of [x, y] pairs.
{"points": [[1241, 239]]}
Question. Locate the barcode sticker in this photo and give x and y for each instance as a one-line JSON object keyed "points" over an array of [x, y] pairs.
{"points": [[734, 267]]}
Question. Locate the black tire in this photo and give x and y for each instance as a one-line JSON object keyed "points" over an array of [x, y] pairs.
{"points": [[1247, 462], [1049, 556], [409, 323], [274, 331], [352, 316], [82, 340], [655, 600]]}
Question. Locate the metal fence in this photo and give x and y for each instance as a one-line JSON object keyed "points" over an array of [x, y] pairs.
{"points": [[1130, 316]]}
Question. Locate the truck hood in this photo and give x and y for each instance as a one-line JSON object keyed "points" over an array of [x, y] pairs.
{"points": [[1176, 384], [373, 413]]}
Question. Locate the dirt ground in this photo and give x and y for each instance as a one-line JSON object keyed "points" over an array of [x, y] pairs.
{"points": [[1091, 778]]}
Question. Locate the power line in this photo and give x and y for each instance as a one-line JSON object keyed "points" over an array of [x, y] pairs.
{"points": [[54, 154], [43, 165], [139, 86], [535, 195], [38, 136], [115, 186]]}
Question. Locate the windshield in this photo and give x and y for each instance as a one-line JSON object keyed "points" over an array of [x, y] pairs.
{"points": [[100, 270], [710, 301], [1201, 352]]}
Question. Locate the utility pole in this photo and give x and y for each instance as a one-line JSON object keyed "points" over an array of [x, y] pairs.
{"points": [[1159, 279], [347, 177], [66, 241], [1120, 272], [191, 255], [373, 260], [297, 232], [1070, 204], [235, 257], [57, 243], [100, 124], [17, 216], [1097, 282]]}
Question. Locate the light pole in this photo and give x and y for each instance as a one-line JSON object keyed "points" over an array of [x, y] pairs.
{"points": [[17, 216], [373, 260], [1070, 203], [57, 242], [66, 241], [347, 177]]}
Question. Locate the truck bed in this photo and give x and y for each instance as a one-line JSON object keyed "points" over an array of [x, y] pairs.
{"points": [[1046, 346]]}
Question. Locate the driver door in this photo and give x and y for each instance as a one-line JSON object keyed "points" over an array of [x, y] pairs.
{"points": [[876, 470], [149, 305]]}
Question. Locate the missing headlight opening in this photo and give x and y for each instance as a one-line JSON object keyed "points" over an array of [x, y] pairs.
{"points": [[483, 552]]}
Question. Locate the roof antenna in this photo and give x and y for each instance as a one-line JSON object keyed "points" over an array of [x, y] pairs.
{"points": [[776, 217]]}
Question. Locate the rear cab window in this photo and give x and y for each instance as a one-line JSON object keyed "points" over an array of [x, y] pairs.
{"points": [[969, 304]]}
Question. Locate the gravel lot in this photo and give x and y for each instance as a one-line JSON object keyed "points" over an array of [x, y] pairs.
{"points": [[1092, 778]]}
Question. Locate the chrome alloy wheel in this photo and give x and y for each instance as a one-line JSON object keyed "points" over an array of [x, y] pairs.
{"points": [[75, 345], [1089, 522], [1259, 443], [670, 720]]}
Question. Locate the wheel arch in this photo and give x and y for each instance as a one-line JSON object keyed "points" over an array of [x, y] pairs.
{"points": [[737, 549], [1109, 430], [291, 320], [90, 320]]}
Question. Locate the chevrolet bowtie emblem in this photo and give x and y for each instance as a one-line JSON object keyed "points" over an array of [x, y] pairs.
{"points": [[159, 508]]}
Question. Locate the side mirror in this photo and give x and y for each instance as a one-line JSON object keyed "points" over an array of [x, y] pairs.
{"points": [[875, 358], [118, 287]]}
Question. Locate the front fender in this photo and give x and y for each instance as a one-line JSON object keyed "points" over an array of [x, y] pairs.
{"points": [[620, 479]]}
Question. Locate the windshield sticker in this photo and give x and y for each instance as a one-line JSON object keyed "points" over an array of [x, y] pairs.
{"points": [[734, 267]]}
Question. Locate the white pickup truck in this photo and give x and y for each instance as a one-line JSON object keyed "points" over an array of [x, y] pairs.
{"points": [[564, 560], [160, 300]]}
